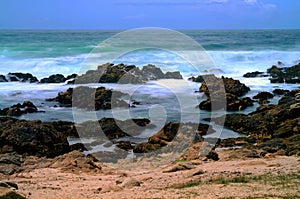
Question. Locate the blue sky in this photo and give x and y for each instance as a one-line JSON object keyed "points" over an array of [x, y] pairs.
{"points": [[173, 14]]}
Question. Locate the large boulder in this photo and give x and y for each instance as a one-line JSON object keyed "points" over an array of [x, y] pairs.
{"points": [[3, 78], [290, 75], [254, 74]]}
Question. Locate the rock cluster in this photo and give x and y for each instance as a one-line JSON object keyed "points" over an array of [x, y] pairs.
{"points": [[125, 74], [19, 109], [224, 93], [289, 75], [90, 98], [273, 127]]}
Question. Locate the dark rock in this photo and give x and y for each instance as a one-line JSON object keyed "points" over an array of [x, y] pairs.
{"points": [[125, 74], [233, 103], [57, 78], [126, 145], [3, 78], [173, 75], [280, 91], [254, 74], [34, 137], [290, 75], [22, 77], [19, 109], [213, 155], [90, 98]]}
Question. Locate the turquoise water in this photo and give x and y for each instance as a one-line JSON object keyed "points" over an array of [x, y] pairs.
{"points": [[234, 52], [43, 53]]}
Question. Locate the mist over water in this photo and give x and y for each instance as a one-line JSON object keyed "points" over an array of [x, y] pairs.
{"points": [[44, 53]]}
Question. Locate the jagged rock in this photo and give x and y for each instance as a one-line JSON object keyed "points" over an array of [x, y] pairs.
{"points": [[280, 91], [57, 78], [288, 75], [254, 74], [19, 109], [35, 137], [3, 78], [125, 74], [90, 98], [22, 77]]}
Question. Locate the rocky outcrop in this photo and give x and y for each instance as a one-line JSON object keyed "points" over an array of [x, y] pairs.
{"points": [[19, 109], [113, 128], [167, 134], [57, 78], [289, 75], [263, 97], [255, 74], [3, 78], [90, 98], [21, 77], [271, 124], [224, 93], [35, 137], [125, 74]]}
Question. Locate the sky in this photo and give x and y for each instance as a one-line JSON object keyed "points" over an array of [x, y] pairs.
{"points": [[172, 14]]}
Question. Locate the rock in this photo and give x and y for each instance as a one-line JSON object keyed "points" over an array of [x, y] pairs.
{"points": [[10, 163], [132, 183], [199, 172], [125, 74], [22, 77], [3, 78], [9, 185], [91, 99], [280, 91], [255, 74], [173, 75], [288, 75], [19, 109], [213, 155], [34, 137], [263, 97], [180, 167], [57, 78], [233, 103], [111, 188], [214, 85], [126, 145], [7, 193], [113, 128]]}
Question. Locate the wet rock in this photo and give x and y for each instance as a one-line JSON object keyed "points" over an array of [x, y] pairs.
{"points": [[22, 77], [233, 103], [19, 109], [126, 145], [288, 75], [263, 97], [57, 78], [3, 78], [125, 74], [90, 98], [255, 74], [173, 75], [280, 91], [213, 155]]}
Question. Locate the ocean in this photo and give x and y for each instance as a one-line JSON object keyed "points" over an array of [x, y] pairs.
{"points": [[234, 53]]}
